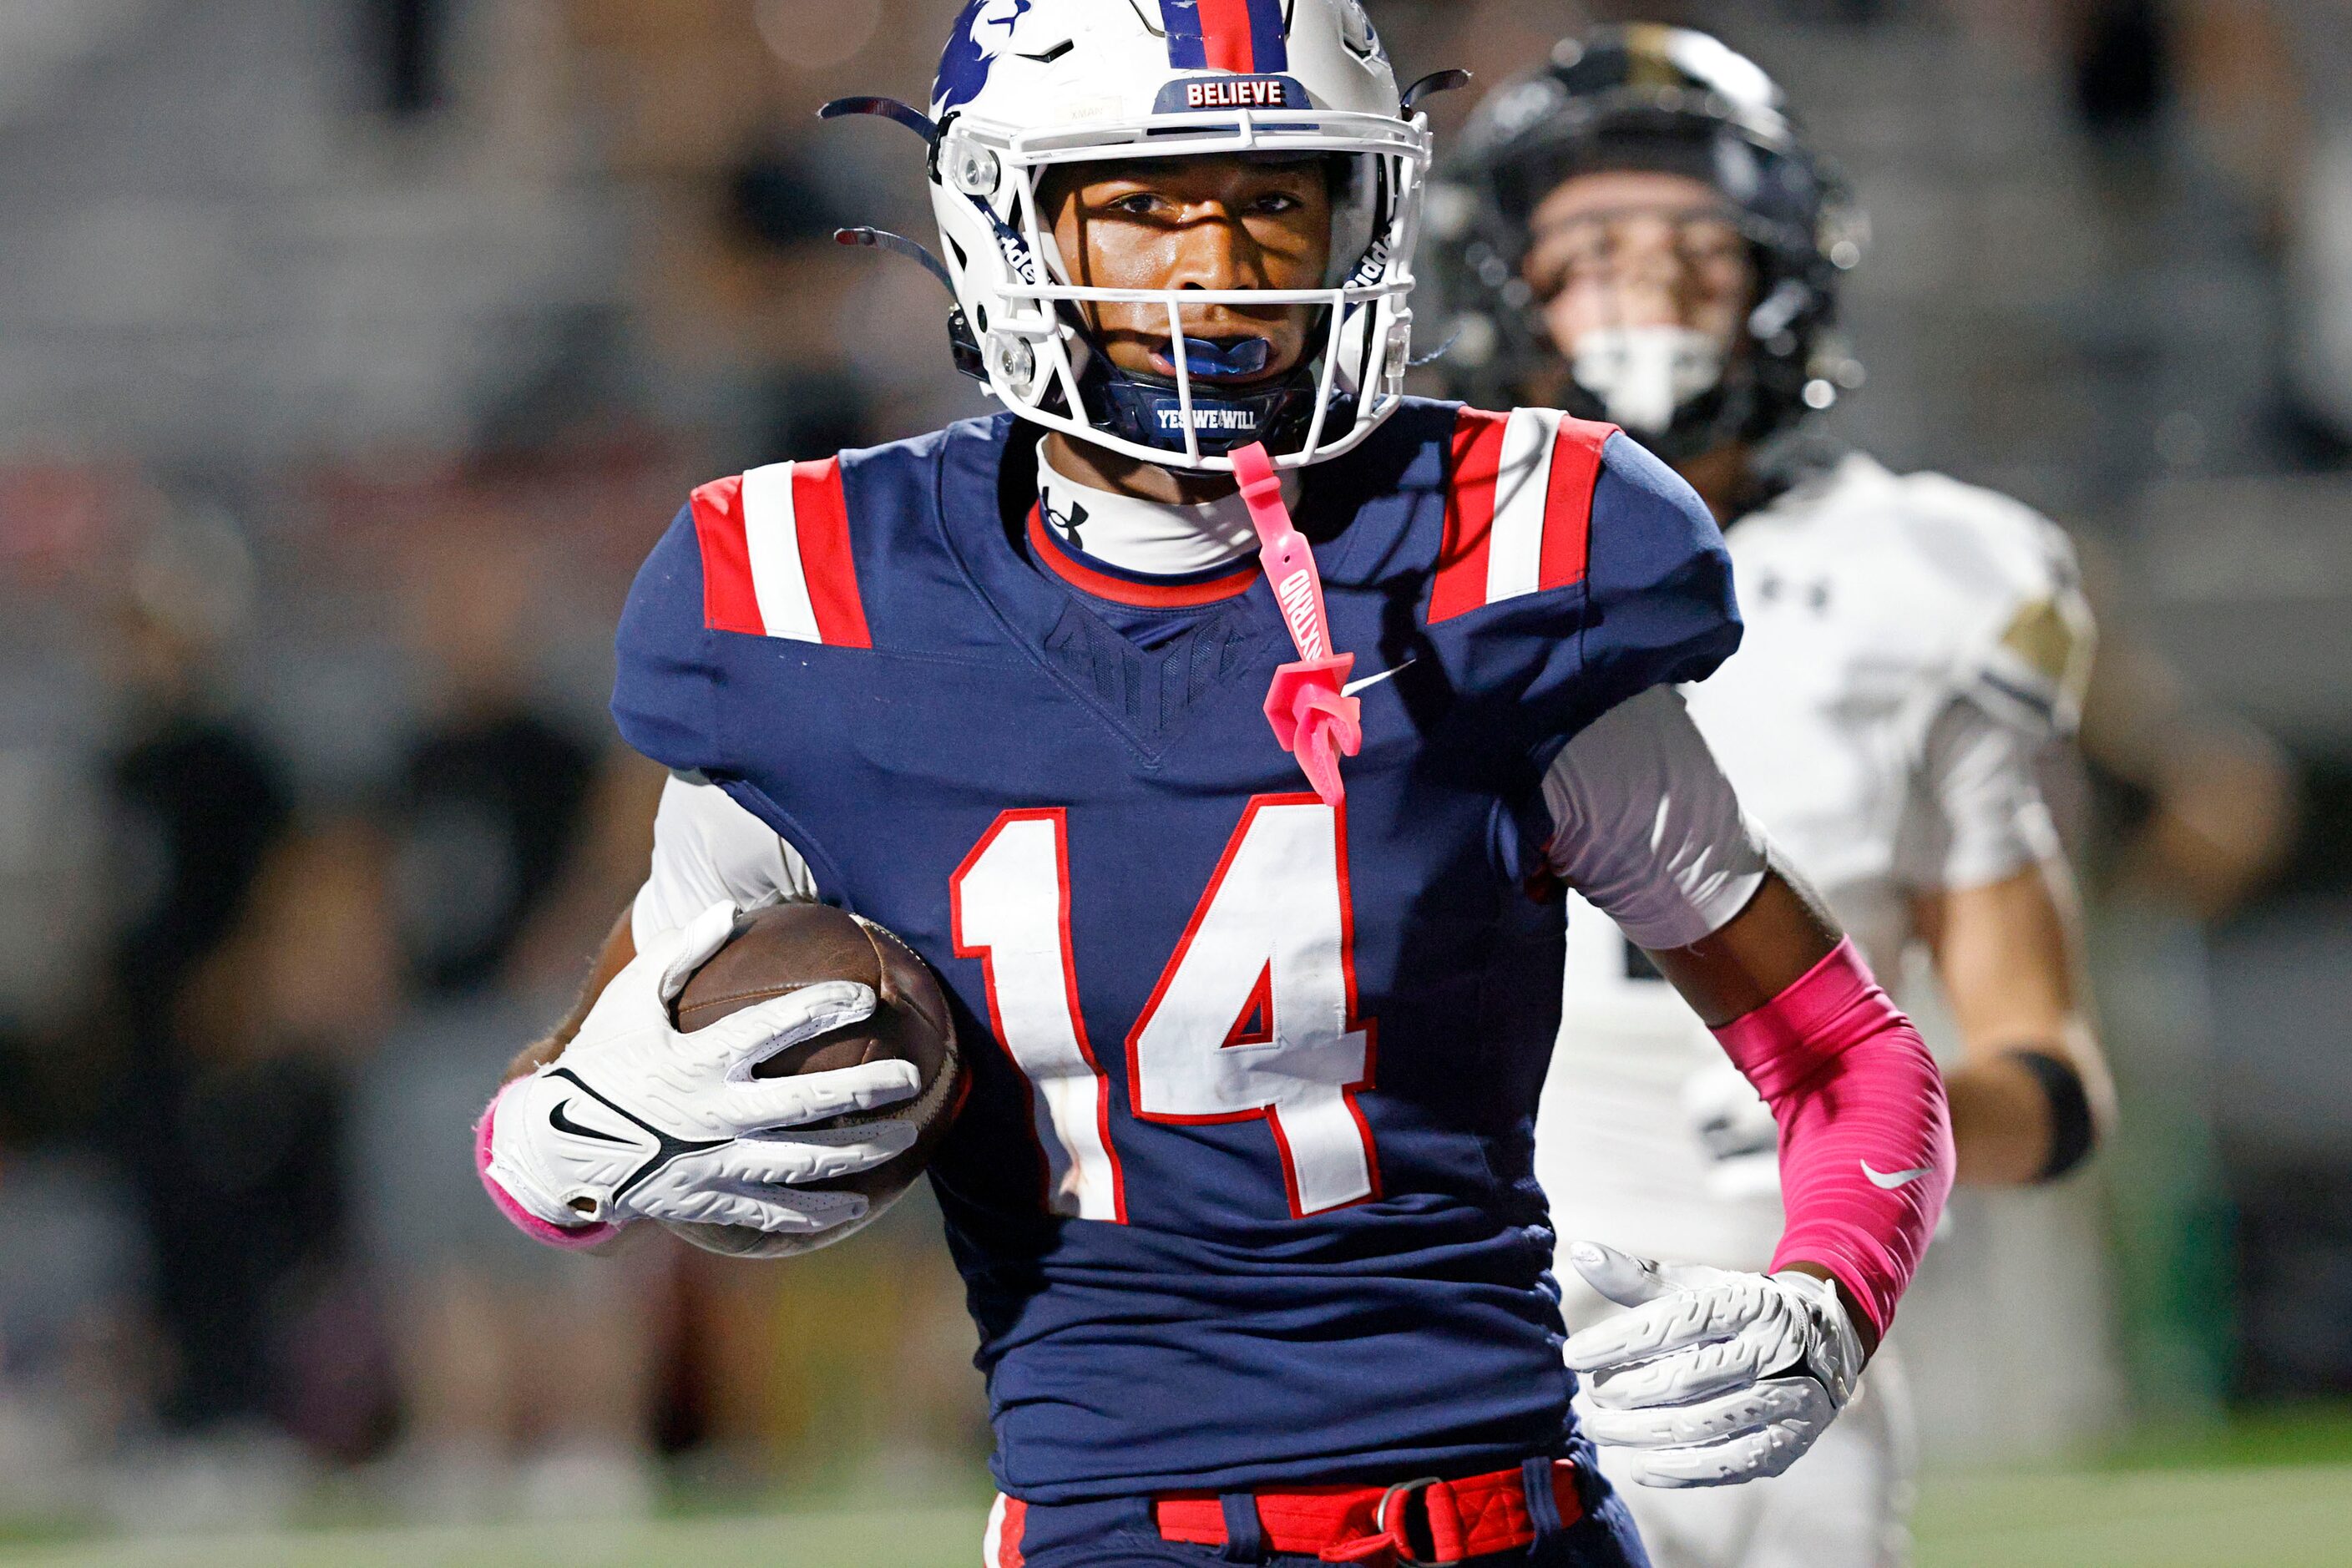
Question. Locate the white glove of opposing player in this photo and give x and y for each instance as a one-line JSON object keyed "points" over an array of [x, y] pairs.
{"points": [[1714, 1377], [637, 1120]]}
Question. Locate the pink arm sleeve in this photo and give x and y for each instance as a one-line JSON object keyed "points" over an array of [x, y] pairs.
{"points": [[1865, 1136], [530, 1224]]}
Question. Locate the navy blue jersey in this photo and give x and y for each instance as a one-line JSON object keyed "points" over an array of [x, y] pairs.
{"points": [[1242, 1193]]}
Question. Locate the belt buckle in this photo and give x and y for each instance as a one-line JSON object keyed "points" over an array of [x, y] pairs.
{"points": [[1388, 1519]]}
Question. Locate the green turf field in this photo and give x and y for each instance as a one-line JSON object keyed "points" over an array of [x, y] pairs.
{"points": [[2274, 1492], [2285, 1518]]}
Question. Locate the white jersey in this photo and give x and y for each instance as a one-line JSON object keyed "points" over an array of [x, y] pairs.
{"points": [[1912, 645]]}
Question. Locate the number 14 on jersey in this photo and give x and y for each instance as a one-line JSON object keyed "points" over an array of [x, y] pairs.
{"points": [[1253, 1019]]}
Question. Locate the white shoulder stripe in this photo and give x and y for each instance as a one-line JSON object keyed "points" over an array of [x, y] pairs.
{"points": [[771, 531], [1514, 548]]}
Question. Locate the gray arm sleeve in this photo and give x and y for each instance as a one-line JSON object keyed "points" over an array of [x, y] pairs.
{"points": [[706, 850], [1646, 826]]}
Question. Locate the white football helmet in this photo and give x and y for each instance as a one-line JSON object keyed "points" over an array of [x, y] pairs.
{"points": [[1027, 85]]}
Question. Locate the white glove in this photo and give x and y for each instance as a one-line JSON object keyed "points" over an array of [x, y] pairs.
{"points": [[637, 1120], [1736, 1129], [1715, 1377]]}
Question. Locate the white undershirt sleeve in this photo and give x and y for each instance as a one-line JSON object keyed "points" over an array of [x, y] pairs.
{"points": [[1646, 826], [707, 848], [1986, 818]]}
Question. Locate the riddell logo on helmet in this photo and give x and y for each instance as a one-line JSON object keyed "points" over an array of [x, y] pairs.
{"points": [[1375, 262], [1017, 255]]}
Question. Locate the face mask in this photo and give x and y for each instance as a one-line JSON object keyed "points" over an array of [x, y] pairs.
{"points": [[1642, 375]]}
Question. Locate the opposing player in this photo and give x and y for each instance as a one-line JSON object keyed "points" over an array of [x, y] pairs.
{"points": [[1266, 943], [1637, 231]]}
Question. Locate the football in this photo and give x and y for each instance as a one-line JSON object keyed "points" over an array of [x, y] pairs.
{"points": [[780, 949]]}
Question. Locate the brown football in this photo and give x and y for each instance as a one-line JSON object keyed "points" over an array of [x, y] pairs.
{"points": [[778, 950]]}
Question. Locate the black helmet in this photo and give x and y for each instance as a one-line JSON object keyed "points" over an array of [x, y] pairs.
{"points": [[1645, 96]]}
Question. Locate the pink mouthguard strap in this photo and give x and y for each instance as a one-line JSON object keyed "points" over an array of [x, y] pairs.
{"points": [[1865, 1136], [1314, 719], [569, 1238]]}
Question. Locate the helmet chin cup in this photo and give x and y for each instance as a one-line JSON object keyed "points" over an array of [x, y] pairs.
{"points": [[1151, 411]]}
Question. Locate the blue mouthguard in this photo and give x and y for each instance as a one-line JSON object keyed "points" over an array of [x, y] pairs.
{"points": [[1234, 360]]}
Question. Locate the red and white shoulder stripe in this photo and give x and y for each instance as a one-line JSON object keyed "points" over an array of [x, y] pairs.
{"points": [[1518, 507], [775, 555]]}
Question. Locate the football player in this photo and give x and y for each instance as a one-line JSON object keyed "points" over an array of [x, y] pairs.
{"points": [[1222, 725], [1637, 232]]}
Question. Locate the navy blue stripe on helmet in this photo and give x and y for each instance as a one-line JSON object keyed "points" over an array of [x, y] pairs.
{"points": [[1187, 49], [1269, 42]]}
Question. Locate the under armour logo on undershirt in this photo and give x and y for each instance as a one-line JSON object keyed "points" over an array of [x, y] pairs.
{"points": [[1067, 527]]}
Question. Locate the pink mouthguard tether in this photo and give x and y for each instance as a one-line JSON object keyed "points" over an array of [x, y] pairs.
{"points": [[1313, 718]]}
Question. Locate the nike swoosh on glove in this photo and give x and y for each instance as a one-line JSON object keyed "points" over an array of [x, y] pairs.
{"points": [[638, 1121], [1714, 1377]]}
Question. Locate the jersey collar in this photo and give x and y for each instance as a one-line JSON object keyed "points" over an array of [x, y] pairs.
{"points": [[988, 486], [1144, 540], [1091, 574]]}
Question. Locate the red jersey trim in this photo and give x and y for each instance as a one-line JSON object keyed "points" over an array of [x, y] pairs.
{"points": [[1567, 508], [821, 510], [1119, 590], [1523, 532], [1461, 583], [728, 602], [776, 556]]}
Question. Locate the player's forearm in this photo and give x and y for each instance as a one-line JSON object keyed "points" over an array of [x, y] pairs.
{"points": [[2028, 1112], [2001, 1122], [1865, 1134], [2029, 1096], [1851, 1087], [620, 946]]}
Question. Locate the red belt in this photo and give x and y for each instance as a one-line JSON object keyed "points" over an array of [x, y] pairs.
{"points": [[1454, 1522]]}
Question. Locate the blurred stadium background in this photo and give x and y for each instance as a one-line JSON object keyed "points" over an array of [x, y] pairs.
{"points": [[352, 352]]}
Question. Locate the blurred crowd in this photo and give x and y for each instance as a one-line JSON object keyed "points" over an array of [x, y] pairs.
{"points": [[351, 355]]}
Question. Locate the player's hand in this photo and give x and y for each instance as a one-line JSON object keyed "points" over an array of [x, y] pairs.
{"points": [[1713, 1377], [1736, 1129], [638, 1121]]}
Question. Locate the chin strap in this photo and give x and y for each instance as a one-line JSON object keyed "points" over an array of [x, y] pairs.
{"points": [[1312, 718]]}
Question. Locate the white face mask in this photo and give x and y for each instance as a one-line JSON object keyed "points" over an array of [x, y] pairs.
{"points": [[1642, 374]]}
